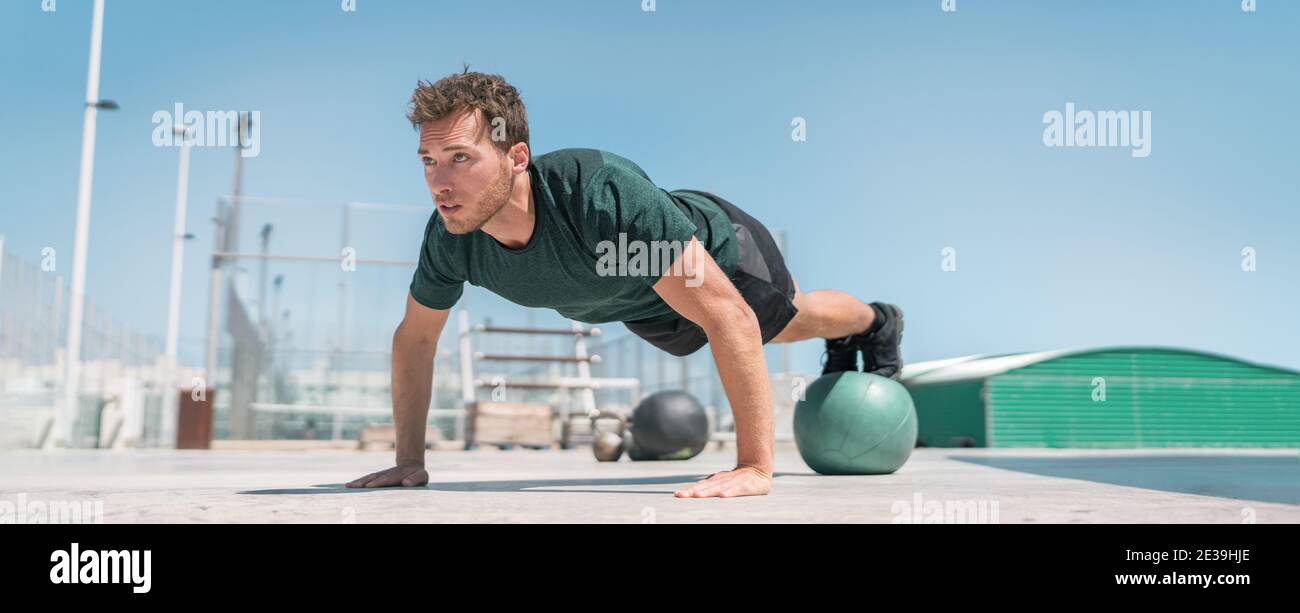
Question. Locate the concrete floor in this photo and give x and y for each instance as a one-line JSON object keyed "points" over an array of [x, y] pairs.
{"points": [[953, 485]]}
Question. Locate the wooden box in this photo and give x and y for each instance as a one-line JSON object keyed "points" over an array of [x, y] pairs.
{"points": [[515, 423]]}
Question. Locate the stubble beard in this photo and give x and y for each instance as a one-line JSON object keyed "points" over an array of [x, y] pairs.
{"points": [[494, 198]]}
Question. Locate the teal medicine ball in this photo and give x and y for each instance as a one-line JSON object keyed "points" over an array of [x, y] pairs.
{"points": [[854, 423]]}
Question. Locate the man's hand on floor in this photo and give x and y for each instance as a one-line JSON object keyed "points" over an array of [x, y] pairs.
{"points": [[405, 475], [742, 481]]}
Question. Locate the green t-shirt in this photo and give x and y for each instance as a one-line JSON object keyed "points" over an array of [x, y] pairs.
{"points": [[582, 198]]}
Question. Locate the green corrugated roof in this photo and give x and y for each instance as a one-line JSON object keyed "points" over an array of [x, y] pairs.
{"points": [[1107, 397], [982, 367]]}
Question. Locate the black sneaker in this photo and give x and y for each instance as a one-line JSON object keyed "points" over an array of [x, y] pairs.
{"points": [[841, 355], [881, 353]]}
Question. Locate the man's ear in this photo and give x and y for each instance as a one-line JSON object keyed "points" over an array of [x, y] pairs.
{"points": [[519, 155]]}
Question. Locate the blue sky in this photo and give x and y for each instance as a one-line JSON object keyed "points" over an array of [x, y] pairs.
{"points": [[924, 131]]}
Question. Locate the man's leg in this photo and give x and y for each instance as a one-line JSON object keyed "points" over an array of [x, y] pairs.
{"points": [[849, 326], [786, 314], [827, 313]]}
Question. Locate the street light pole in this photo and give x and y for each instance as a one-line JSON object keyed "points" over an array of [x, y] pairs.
{"points": [[65, 418], [170, 404]]}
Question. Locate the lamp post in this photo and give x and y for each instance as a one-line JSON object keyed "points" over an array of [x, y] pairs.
{"points": [[65, 417], [170, 404]]}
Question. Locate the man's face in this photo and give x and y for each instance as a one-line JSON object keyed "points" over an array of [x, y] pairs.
{"points": [[468, 177]]}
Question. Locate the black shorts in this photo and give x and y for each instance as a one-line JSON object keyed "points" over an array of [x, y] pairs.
{"points": [[760, 277]]}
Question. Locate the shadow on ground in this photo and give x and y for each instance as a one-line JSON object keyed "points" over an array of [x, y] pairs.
{"points": [[572, 486], [1257, 478]]}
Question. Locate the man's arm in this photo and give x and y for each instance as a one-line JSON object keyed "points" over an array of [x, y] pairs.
{"points": [[414, 345], [700, 291]]}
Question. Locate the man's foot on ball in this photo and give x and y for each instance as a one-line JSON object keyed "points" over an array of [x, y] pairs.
{"points": [[841, 355], [881, 345]]}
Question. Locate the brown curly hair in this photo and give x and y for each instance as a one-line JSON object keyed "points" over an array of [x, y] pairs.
{"points": [[488, 93]]}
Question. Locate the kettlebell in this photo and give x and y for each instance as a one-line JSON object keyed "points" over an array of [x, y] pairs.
{"points": [[608, 446]]}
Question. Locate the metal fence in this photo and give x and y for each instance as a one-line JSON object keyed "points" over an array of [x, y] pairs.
{"points": [[33, 338], [299, 343]]}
